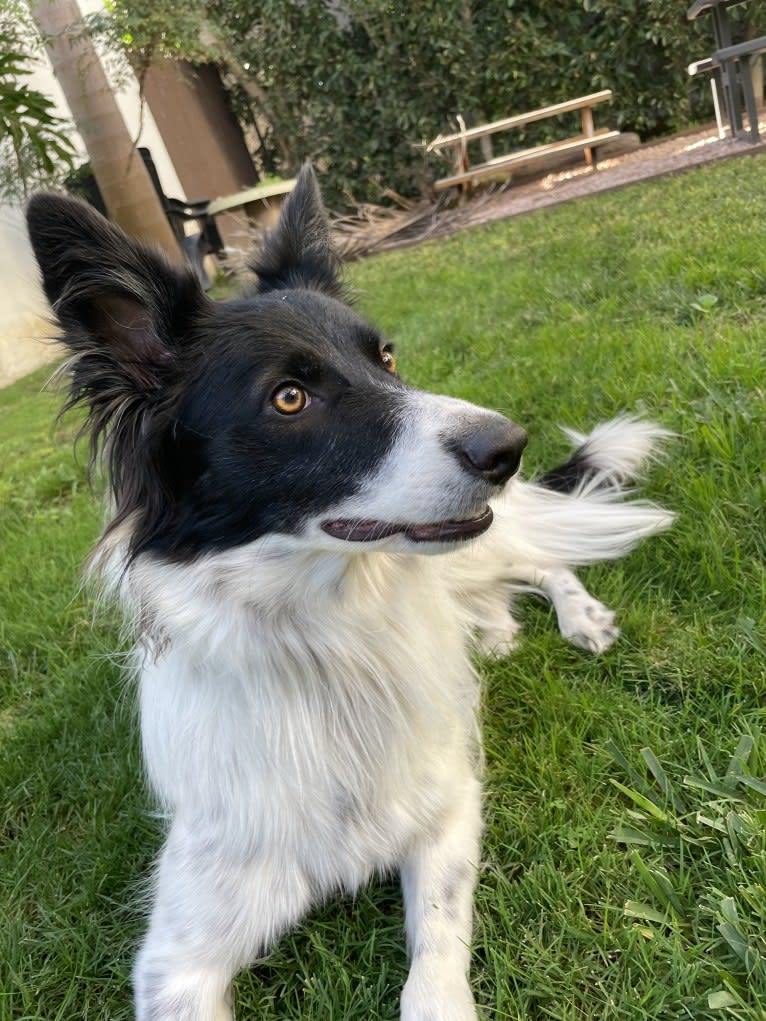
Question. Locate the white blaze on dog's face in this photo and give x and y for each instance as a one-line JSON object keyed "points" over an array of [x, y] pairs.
{"points": [[431, 489], [279, 413]]}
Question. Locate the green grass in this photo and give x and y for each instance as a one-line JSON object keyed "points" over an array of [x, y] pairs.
{"points": [[624, 872]]}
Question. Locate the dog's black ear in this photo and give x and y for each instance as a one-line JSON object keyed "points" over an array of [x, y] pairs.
{"points": [[297, 252], [122, 307], [124, 311]]}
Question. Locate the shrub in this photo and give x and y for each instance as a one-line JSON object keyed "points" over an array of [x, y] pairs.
{"points": [[34, 147], [355, 85]]}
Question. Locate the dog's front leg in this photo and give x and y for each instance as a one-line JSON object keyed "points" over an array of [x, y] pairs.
{"points": [[216, 909], [438, 880], [583, 620]]}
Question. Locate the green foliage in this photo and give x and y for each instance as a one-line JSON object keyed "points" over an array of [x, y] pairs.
{"points": [[686, 828], [151, 30], [356, 85], [34, 146]]}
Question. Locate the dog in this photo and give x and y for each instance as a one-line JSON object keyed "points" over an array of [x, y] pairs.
{"points": [[307, 550]]}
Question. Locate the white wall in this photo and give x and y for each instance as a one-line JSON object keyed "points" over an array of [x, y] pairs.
{"points": [[23, 308]]}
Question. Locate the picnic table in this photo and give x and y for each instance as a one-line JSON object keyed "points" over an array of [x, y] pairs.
{"points": [[731, 63], [466, 174]]}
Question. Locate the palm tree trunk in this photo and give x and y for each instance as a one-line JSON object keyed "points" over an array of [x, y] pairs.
{"points": [[124, 183]]}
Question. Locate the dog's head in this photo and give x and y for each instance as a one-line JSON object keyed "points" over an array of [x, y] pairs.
{"points": [[281, 412]]}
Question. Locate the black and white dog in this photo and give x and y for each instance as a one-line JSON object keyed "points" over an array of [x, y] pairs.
{"points": [[306, 548]]}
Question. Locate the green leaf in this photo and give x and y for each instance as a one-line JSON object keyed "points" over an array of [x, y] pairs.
{"points": [[646, 803], [735, 940], [739, 759], [639, 909], [720, 999], [753, 784], [630, 835], [659, 774], [659, 884], [717, 787]]}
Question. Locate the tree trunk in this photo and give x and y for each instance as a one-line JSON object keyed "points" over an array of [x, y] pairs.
{"points": [[124, 183]]}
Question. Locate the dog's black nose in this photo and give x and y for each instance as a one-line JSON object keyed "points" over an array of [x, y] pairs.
{"points": [[493, 449]]}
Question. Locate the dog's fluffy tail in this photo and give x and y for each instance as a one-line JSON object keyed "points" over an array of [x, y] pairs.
{"points": [[582, 512], [615, 453]]}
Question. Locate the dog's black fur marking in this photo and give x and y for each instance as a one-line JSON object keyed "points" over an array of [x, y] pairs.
{"points": [[298, 252], [567, 477]]}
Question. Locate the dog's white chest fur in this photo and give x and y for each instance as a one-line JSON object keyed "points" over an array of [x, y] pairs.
{"points": [[318, 714]]}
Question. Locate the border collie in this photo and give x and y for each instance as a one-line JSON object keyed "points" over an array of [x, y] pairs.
{"points": [[306, 549]]}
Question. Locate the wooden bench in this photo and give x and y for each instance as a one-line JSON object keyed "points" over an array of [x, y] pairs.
{"points": [[259, 203], [503, 166]]}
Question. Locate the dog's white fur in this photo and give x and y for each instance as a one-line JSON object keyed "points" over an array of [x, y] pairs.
{"points": [[308, 709]]}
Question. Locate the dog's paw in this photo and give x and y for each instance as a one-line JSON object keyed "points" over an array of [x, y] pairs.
{"points": [[498, 637], [587, 623], [496, 642], [449, 998]]}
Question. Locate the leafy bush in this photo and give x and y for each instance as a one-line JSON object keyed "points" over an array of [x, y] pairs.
{"points": [[34, 147], [355, 85]]}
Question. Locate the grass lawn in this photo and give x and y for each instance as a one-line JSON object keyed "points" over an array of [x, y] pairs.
{"points": [[624, 870]]}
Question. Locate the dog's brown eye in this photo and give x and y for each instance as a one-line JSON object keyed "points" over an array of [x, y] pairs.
{"points": [[289, 399], [388, 359]]}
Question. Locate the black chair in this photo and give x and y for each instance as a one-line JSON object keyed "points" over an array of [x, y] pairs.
{"points": [[206, 241]]}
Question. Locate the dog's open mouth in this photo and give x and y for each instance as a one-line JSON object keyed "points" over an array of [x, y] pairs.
{"points": [[453, 530]]}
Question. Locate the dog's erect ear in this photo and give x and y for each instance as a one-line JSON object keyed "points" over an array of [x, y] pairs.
{"points": [[124, 311], [297, 252], [122, 307]]}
